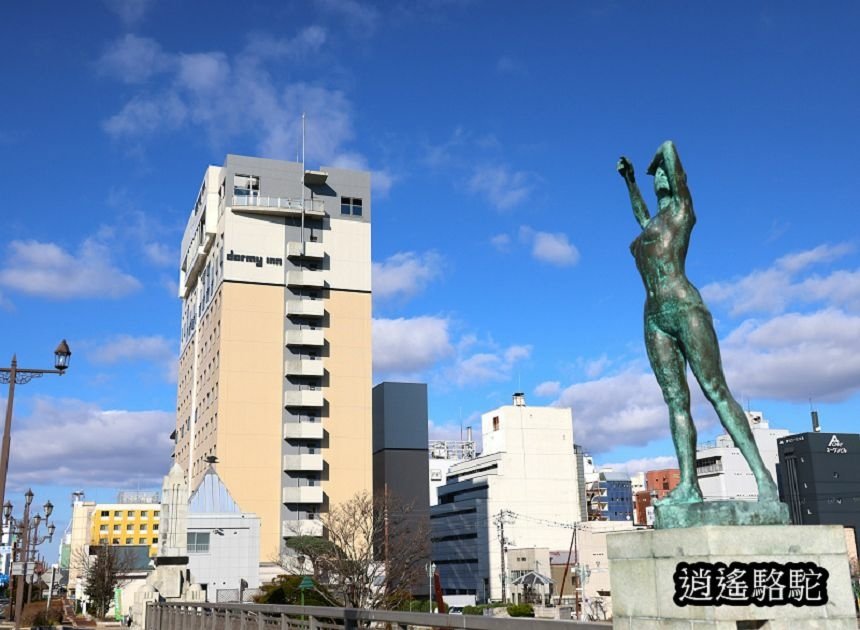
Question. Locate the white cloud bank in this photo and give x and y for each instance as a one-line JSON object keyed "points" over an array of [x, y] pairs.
{"points": [[405, 274], [47, 270]]}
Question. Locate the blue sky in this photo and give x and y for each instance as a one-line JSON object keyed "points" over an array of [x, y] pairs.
{"points": [[500, 228]]}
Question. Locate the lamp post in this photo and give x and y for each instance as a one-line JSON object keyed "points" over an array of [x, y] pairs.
{"points": [[20, 376], [431, 571], [24, 527]]}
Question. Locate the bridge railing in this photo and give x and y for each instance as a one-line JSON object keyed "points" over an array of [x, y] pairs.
{"points": [[209, 616]]}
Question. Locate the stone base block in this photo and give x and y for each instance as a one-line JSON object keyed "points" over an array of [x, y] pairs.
{"points": [[720, 513], [642, 564]]}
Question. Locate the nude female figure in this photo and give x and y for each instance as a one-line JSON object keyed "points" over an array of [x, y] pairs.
{"points": [[679, 329]]}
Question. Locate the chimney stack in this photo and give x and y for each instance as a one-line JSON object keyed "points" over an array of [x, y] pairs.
{"points": [[519, 399], [815, 426], [469, 433]]}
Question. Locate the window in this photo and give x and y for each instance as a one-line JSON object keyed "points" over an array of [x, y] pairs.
{"points": [[141, 541], [155, 527], [350, 205], [103, 529], [114, 541], [105, 513], [157, 513], [198, 542], [129, 541], [144, 514], [117, 514], [155, 540], [116, 528], [246, 185], [143, 528], [130, 513], [495, 423]]}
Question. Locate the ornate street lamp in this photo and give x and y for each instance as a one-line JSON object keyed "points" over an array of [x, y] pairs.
{"points": [[62, 355]]}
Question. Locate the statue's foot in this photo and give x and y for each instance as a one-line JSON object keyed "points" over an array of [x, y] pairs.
{"points": [[767, 491], [684, 493]]}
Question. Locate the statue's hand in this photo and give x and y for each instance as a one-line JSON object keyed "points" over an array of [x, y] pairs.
{"points": [[625, 169]]}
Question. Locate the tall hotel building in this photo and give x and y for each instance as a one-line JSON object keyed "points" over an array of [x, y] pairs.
{"points": [[275, 363]]}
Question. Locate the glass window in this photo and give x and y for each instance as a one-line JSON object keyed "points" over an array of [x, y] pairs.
{"points": [[155, 540], [114, 541], [103, 529], [198, 542], [157, 513], [129, 541], [130, 513], [144, 514], [350, 205], [155, 527], [141, 541], [246, 185], [116, 528], [105, 513], [117, 514]]}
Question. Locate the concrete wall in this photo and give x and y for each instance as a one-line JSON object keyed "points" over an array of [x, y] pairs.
{"points": [[234, 547]]}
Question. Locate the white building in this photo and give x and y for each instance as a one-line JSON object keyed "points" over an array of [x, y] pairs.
{"points": [[521, 492], [723, 472], [442, 455]]}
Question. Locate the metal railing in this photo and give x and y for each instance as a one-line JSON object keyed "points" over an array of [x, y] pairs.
{"points": [[208, 616], [312, 206]]}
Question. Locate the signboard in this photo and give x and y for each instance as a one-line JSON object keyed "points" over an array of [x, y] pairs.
{"points": [[750, 583], [18, 568]]}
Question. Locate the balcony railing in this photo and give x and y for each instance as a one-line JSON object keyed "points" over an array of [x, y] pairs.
{"points": [[303, 398], [305, 308], [303, 461], [305, 337], [302, 527], [279, 205], [308, 249], [303, 431], [304, 367], [305, 279], [303, 494]]}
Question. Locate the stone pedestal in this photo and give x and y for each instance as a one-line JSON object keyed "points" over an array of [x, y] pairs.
{"points": [[642, 565]]}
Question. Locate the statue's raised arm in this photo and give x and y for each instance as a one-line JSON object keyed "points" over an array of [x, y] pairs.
{"points": [[667, 160]]}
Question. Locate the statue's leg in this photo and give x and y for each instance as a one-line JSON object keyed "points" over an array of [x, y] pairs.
{"points": [[670, 369], [703, 353]]}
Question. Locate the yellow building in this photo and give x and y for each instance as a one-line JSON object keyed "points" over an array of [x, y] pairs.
{"points": [[275, 363], [125, 524]]}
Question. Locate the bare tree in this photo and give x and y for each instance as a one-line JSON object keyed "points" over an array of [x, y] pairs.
{"points": [[103, 568], [373, 553]]}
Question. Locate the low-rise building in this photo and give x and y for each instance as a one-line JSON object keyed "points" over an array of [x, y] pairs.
{"points": [[723, 471], [611, 497]]}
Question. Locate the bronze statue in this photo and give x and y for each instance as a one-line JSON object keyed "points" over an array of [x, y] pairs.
{"points": [[679, 328]]}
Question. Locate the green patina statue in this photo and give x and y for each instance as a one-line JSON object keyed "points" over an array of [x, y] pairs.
{"points": [[679, 330]]}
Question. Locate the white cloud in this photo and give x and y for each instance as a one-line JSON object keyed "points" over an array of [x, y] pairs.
{"points": [[484, 367], [405, 274], [128, 348], [129, 11], [362, 17], [774, 289], [80, 444], [550, 247], [409, 345], [548, 388], [621, 409], [596, 367], [644, 464], [796, 357], [47, 270], [502, 187], [501, 242], [134, 59], [160, 254], [269, 110]]}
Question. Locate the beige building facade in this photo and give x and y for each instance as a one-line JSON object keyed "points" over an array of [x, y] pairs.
{"points": [[275, 361]]}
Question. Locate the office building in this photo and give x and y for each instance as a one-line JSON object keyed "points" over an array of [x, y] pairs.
{"points": [[724, 473], [819, 479], [275, 358], [132, 521], [442, 455], [659, 483], [610, 497], [522, 491]]}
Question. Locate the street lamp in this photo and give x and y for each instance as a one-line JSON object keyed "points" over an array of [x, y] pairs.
{"points": [[29, 540], [21, 376]]}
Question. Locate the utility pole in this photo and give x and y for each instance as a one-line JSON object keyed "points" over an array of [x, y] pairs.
{"points": [[500, 525]]}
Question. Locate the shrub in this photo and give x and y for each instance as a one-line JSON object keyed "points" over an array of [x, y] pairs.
{"points": [[46, 618], [473, 610], [521, 610]]}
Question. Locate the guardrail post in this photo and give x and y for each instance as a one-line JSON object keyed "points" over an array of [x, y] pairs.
{"points": [[349, 619], [312, 623]]}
